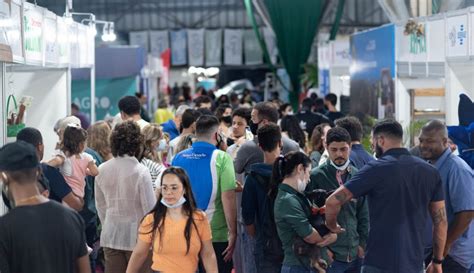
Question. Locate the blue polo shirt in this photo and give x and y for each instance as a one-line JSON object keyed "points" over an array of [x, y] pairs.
{"points": [[170, 128], [359, 156], [400, 188], [211, 172], [458, 184]]}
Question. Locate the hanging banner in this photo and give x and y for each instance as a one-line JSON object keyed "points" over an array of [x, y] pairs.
{"points": [[457, 36], [178, 47], [196, 47], [270, 41], [232, 46], [139, 38], [158, 42], [51, 47], [33, 24], [5, 14], [62, 40], [165, 67], [74, 52], [340, 53], [253, 52], [213, 47]]}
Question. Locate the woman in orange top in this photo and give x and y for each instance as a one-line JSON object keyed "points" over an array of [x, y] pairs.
{"points": [[177, 232]]}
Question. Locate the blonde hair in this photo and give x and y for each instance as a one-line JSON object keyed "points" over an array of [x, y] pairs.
{"points": [[98, 138], [152, 133]]}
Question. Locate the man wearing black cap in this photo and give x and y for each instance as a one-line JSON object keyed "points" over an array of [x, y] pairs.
{"points": [[37, 235], [58, 188]]}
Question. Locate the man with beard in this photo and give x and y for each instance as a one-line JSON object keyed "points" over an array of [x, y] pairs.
{"points": [[347, 252], [458, 184], [401, 190]]}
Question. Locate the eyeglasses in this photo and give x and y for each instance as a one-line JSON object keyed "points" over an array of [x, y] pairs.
{"points": [[172, 189]]}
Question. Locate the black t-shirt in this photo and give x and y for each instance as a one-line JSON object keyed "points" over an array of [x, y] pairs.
{"points": [[43, 238], [58, 188], [309, 120], [334, 115], [400, 188]]}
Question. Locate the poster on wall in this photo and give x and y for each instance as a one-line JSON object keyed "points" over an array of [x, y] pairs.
{"points": [[196, 47], [51, 48], [213, 47], [233, 46], [33, 24], [158, 42], [457, 36], [63, 40], [5, 49], [252, 50], [372, 72], [14, 31], [108, 93], [178, 47], [340, 53], [139, 38]]}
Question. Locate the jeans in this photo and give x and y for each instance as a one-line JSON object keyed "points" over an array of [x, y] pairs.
{"points": [[344, 267], [267, 265], [372, 269], [295, 269], [451, 266]]}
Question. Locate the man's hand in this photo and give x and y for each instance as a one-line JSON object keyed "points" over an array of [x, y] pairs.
{"points": [[240, 186], [360, 252], [434, 268], [327, 240], [229, 251], [335, 228]]}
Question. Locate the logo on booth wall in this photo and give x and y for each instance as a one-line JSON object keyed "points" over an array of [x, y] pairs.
{"points": [[457, 36]]}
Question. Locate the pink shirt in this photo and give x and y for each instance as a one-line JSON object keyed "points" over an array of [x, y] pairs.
{"points": [[74, 171]]}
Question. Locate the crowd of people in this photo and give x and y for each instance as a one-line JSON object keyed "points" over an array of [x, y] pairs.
{"points": [[227, 185]]}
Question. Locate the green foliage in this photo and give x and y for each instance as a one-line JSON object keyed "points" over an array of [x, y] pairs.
{"points": [[310, 76], [412, 131]]}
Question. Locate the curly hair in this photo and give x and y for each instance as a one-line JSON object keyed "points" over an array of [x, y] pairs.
{"points": [[151, 134], [126, 139], [98, 138], [72, 140]]}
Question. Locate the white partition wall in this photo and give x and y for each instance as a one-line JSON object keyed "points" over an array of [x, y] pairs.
{"points": [[49, 88]]}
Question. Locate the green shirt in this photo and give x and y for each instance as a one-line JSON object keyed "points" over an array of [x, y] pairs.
{"points": [[291, 220], [353, 217]]}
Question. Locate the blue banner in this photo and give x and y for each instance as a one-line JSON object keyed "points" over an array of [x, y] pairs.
{"points": [[178, 47], [324, 81], [108, 93], [372, 72]]}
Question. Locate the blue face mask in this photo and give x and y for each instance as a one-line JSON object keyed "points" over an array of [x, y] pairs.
{"points": [[178, 204]]}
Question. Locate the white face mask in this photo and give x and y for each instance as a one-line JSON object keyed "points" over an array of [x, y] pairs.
{"points": [[301, 185], [342, 167], [178, 204], [162, 146], [290, 113]]}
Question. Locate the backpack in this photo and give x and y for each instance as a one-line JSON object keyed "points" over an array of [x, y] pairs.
{"points": [[272, 247]]}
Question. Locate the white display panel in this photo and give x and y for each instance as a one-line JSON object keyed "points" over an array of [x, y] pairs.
{"points": [[457, 35], [33, 33]]}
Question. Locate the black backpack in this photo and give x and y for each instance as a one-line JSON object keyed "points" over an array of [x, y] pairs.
{"points": [[272, 246]]}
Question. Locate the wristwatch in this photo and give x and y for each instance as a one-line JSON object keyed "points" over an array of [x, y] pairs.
{"points": [[436, 261]]}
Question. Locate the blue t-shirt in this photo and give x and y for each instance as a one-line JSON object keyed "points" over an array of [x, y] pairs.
{"points": [[400, 188], [458, 184], [58, 188], [359, 156], [170, 128]]}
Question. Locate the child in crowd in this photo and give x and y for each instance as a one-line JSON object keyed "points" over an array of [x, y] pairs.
{"points": [[71, 160]]}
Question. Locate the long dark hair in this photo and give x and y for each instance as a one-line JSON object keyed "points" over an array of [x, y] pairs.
{"points": [[291, 125], [73, 137], [284, 166], [189, 208]]}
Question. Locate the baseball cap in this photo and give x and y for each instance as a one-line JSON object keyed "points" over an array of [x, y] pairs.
{"points": [[17, 156]]}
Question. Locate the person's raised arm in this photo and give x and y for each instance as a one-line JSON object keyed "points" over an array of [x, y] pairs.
{"points": [[333, 207]]}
